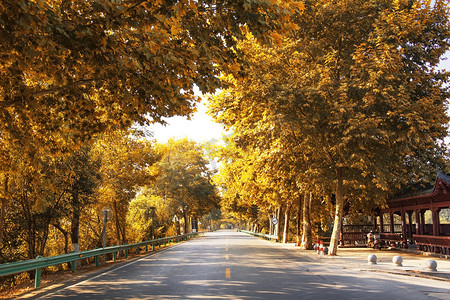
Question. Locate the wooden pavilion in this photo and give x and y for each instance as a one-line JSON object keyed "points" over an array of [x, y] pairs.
{"points": [[422, 219]]}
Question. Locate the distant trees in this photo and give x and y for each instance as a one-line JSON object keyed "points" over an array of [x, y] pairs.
{"points": [[184, 182], [60, 194], [57, 208]]}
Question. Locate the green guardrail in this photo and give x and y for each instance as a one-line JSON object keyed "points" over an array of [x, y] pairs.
{"points": [[261, 235], [43, 262]]}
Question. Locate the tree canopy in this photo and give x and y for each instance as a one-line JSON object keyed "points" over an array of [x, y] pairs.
{"points": [[73, 68], [355, 88]]}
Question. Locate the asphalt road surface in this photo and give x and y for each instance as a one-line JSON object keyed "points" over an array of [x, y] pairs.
{"points": [[233, 265]]}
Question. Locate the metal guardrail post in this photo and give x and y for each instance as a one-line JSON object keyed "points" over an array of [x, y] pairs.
{"points": [[73, 265], [114, 256], [96, 261], [37, 276]]}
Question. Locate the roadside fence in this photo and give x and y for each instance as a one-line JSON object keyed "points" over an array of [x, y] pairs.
{"points": [[43, 262]]}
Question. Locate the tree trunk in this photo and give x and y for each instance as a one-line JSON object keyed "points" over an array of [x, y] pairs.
{"points": [[299, 214], [124, 231], [119, 241], [4, 202], [177, 227], [277, 226], [338, 213], [44, 240], [74, 231], [66, 236], [271, 229], [75, 223], [307, 235], [186, 222], [287, 215], [31, 240]]}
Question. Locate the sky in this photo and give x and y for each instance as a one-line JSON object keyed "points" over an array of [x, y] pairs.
{"points": [[201, 128]]}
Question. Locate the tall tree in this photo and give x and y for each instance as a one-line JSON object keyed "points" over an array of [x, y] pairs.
{"points": [[357, 86], [85, 180], [37, 199], [126, 165]]}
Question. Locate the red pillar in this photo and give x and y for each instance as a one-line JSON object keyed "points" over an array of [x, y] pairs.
{"points": [[435, 217], [410, 227], [375, 227], [417, 215], [381, 223], [391, 219], [422, 221], [403, 226]]}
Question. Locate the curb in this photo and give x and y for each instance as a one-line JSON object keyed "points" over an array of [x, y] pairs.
{"points": [[412, 273], [341, 259]]}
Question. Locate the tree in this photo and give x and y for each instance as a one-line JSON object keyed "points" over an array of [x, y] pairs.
{"points": [[74, 68], [126, 165], [357, 87], [37, 198], [184, 180], [85, 180], [140, 220]]}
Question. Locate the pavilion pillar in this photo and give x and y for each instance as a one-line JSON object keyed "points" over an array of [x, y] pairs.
{"points": [[418, 224], [402, 213], [391, 223], [422, 221], [381, 223], [375, 229], [410, 227], [435, 217]]}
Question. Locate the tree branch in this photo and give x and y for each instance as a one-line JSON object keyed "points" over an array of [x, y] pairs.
{"points": [[63, 88]]}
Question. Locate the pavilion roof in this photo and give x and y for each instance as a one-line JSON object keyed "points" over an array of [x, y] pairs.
{"points": [[438, 196]]}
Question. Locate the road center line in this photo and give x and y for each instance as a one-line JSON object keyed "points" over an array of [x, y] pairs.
{"points": [[227, 273], [227, 257]]}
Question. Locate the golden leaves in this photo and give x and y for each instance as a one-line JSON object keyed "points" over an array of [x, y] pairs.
{"points": [[349, 94]]}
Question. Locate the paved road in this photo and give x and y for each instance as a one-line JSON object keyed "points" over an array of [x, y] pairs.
{"points": [[232, 265]]}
